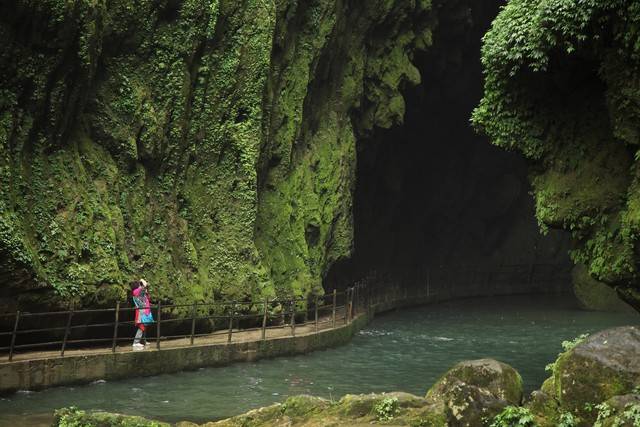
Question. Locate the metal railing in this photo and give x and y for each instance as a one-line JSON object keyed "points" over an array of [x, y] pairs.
{"points": [[443, 282], [229, 318], [211, 320]]}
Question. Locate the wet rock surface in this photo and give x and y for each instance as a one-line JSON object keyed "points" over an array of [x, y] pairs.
{"points": [[595, 380], [604, 365], [474, 390]]}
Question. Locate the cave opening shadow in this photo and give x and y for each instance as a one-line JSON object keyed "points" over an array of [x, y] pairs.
{"points": [[435, 198]]}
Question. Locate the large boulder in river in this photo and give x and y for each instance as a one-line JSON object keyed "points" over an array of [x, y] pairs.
{"points": [[475, 390], [602, 366]]}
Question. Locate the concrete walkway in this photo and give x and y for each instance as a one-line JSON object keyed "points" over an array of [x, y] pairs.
{"points": [[38, 370], [219, 337]]}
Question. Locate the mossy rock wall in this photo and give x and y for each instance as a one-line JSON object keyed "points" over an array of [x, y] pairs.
{"points": [[562, 87], [207, 145]]}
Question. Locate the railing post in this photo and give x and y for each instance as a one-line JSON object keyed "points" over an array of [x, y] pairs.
{"points": [[230, 325], [353, 291], [13, 335], [115, 328], [315, 313], [158, 325], [333, 312], [293, 317], [264, 319], [354, 301], [66, 333], [346, 305], [193, 322]]}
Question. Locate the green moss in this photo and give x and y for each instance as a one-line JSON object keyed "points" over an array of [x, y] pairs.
{"points": [[545, 409], [207, 145], [557, 91], [304, 219], [73, 417], [303, 406], [588, 383], [404, 409]]}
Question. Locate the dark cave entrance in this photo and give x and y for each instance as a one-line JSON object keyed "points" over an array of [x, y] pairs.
{"points": [[433, 193]]}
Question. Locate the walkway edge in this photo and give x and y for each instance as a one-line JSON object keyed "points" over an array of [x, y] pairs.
{"points": [[44, 373], [39, 374]]}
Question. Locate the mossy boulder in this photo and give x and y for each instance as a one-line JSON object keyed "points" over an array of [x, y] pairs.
{"points": [[271, 415], [593, 294], [544, 407], [544, 404], [66, 417], [475, 390], [602, 366], [304, 405], [361, 405], [395, 408], [296, 410]]}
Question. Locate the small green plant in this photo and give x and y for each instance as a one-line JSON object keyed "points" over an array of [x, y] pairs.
{"points": [[629, 417], [514, 416], [567, 419], [631, 414], [386, 409], [566, 346], [68, 417], [74, 417], [604, 412]]}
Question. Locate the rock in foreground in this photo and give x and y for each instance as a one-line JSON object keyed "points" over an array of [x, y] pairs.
{"points": [[68, 417], [590, 379], [475, 390], [606, 364]]}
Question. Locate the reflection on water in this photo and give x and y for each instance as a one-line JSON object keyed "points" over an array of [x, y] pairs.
{"points": [[404, 350]]}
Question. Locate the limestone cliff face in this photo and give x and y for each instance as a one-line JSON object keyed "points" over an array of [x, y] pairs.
{"points": [[207, 145], [562, 86]]}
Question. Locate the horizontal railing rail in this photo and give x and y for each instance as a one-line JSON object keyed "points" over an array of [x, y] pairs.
{"points": [[199, 320]]}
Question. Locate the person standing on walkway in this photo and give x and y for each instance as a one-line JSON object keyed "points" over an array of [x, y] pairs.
{"points": [[140, 293]]}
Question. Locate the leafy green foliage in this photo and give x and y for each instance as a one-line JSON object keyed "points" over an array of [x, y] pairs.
{"points": [[386, 409], [190, 142], [559, 89], [513, 416], [566, 347], [567, 419], [628, 416], [604, 411]]}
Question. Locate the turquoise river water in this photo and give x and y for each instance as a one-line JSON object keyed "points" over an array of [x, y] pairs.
{"points": [[404, 350]]}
